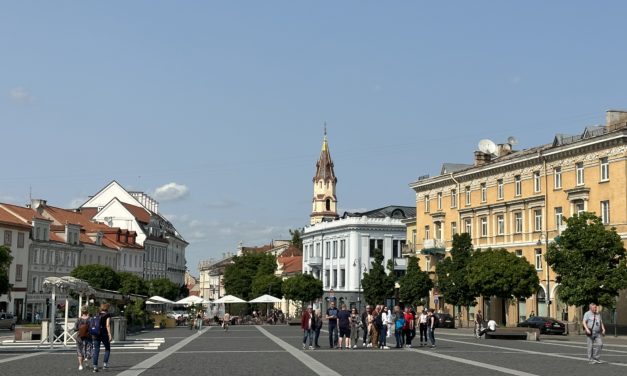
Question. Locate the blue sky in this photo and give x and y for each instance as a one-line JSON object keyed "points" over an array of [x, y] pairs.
{"points": [[217, 108]]}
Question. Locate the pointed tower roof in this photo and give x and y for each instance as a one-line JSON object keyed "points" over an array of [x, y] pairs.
{"points": [[324, 166]]}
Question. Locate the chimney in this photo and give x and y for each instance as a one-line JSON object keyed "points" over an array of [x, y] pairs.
{"points": [[38, 205], [117, 235], [481, 158], [615, 119], [504, 149]]}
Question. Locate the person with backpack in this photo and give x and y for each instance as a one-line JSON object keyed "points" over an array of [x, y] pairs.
{"points": [[83, 339], [100, 330], [399, 323]]}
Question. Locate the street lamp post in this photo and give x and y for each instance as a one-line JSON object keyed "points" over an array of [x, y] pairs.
{"points": [[357, 262]]}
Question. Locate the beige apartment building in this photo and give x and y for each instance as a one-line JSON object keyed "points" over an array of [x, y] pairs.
{"points": [[518, 200]]}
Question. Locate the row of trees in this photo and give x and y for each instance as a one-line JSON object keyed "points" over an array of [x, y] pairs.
{"points": [[589, 259]]}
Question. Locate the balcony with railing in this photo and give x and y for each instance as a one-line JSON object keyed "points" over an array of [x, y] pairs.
{"points": [[314, 261]]}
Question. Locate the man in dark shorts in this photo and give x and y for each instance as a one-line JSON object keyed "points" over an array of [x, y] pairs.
{"points": [[344, 322]]}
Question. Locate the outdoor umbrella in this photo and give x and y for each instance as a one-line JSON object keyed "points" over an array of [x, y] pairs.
{"points": [[158, 300], [266, 299], [228, 299], [192, 300]]}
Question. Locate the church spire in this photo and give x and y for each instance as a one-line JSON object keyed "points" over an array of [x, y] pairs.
{"points": [[324, 200]]}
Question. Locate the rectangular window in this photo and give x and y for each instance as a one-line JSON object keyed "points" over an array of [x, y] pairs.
{"points": [[468, 226], [394, 248], [484, 226], [342, 277], [427, 209], [499, 189], [605, 169], [413, 237], [334, 277], [18, 272], [318, 254], [327, 251], [537, 219], [20, 240], [467, 195], [580, 177], [438, 230], [605, 212], [558, 217], [537, 187], [427, 233], [375, 244], [453, 229], [342, 248], [500, 224], [484, 192], [517, 185], [397, 248], [37, 233], [453, 198], [7, 238], [327, 278], [580, 207], [519, 253], [439, 200], [557, 178], [335, 249], [538, 259], [518, 222]]}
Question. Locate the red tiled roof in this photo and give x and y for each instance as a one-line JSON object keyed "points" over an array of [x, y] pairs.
{"points": [[10, 219], [292, 250], [291, 264], [26, 213], [141, 214]]}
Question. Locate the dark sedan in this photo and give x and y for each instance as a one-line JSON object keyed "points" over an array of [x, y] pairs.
{"points": [[445, 320], [546, 325]]}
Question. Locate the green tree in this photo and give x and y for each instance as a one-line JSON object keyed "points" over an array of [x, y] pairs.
{"points": [[5, 264], [98, 276], [297, 240], [131, 283], [452, 273], [303, 288], [590, 262], [164, 288], [267, 284], [377, 285], [415, 284], [497, 272], [239, 276]]}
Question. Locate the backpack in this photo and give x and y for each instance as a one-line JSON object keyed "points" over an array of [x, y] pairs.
{"points": [[94, 326], [400, 323], [83, 328]]}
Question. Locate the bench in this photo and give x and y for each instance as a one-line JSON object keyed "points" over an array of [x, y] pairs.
{"points": [[529, 334]]}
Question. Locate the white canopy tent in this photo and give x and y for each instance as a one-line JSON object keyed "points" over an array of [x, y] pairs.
{"points": [[266, 299], [192, 300], [228, 299]]}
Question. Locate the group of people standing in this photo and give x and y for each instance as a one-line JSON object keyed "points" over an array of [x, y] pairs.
{"points": [[91, 332], [375, 325]]}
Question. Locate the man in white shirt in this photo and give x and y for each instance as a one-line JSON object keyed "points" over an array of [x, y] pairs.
{"points": [[491, 327]]}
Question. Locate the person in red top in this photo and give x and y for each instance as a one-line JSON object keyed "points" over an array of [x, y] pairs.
{"points": [[409, 327], [308, 324]]}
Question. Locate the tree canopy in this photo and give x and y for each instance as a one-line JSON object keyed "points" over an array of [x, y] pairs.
{"points": [[98, 276], [164, 288], [297, 240], [497, 272], [377, 285], [415, 284], [131, 283], [239, 276], [452, 273], [590, 262], [303, 288], [267, 284], [5, 264]]}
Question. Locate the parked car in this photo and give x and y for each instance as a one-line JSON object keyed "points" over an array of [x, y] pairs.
{"points": [[7, 321], [445, 320], [547, 325]]}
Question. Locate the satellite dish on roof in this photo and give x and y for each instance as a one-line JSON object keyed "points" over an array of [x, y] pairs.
{"points": [[512, 140], [487, 146]]}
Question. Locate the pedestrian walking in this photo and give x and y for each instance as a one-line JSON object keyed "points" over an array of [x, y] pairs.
{"points": [[375, 327], [344, 324], [103, 337], [422, 327], [399, 324], [226, 321], [199, 321], [355, 324], [365, 320], [83, 339], [479, 322], [431, 327], [332, 321], [308, 323], [383, 332], [593, 324], [317, 328]]}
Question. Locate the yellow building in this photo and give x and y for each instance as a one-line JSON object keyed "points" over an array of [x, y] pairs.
{"points": [[518, 200]]}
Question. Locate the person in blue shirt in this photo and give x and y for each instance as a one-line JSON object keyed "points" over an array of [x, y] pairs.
{"points": [[332, 317]]}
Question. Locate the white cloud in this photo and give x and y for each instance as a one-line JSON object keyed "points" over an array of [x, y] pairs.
{"points": [[171, 191], [20, 95]]}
